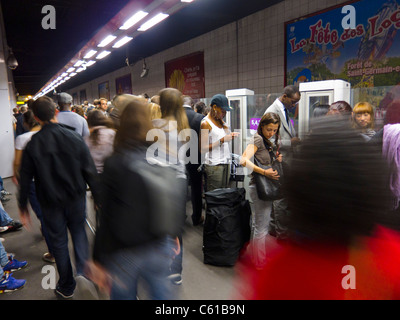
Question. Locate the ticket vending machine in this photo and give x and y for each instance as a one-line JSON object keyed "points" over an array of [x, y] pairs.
{"points": [[240, 101], [316, 93], [237, 119]]}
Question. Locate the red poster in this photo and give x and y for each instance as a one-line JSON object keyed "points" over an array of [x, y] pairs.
{"points": [[186, 74]]}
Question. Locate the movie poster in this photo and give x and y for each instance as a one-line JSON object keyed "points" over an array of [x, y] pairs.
{"points": [[319, 48], [187, 75]]}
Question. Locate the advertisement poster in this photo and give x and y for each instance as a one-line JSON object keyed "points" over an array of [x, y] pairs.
{"points": [[104, 90], [187, 75], [318, 47], [82, 96], [124, 84]]}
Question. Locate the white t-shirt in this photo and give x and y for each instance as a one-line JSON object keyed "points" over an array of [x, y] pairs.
{"points": [[220, 154], [22, 140]]}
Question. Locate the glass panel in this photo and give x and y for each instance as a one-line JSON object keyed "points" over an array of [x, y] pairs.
{"points": [[315, 103]]}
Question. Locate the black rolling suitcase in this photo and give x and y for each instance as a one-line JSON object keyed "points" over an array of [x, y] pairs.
{"points": [[227, 226]]}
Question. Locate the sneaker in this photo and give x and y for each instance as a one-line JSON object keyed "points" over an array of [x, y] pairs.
{"points": [[62, 295], [4, 199], [13, 226], [9, 284], [176, 278], [5, 193], [48, 257], [3, 229], [14, 265]]}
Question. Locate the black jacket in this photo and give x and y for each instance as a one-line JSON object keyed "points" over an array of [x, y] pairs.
{"points": [[60, 162], [194, 120]]}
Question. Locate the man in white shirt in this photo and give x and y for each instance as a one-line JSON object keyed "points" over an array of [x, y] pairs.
{"points": [[69, 118]]}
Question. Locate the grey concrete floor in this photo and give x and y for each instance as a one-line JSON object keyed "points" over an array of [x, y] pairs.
{"points": [[200, 281]]}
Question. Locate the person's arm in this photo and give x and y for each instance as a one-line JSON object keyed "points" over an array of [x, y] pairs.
{"points": [[205, 145], [251, 149], [16, 165], [25, 180]]}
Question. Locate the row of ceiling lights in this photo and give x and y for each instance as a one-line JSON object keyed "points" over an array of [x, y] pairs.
{"points": [[86, 62]]}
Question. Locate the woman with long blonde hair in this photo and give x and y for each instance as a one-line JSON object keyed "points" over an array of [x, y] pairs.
{"points": [[173, 121]]}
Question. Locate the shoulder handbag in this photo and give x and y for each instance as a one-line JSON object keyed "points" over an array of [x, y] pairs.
{"points": [[268, 189]]}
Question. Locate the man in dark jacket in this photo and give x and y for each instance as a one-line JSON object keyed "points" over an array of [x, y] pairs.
{"points": [[195, 176], [59, 161]]}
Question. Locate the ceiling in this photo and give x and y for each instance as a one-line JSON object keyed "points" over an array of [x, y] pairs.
{"points": [[42, 53]]}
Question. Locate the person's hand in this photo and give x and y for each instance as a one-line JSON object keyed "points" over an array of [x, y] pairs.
{"points": [[231, 136], [177, 248], [279, 156], [15, 180], [99, 275], [25, 218], [271, 174], [295, 141]]}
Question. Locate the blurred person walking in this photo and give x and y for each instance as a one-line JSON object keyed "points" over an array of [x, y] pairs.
{"points": [[338, 247], [21, 142], [59, 161], [132, 239], [101, 139], [172, 124]]}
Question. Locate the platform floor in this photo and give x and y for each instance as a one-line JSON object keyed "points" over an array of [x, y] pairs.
{"points": [[200, 281]]}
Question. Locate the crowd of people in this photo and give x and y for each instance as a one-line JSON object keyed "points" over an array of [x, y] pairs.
{"points": [[340, 187]]}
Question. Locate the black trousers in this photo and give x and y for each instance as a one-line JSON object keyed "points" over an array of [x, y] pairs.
{"points": [[196, 188]]}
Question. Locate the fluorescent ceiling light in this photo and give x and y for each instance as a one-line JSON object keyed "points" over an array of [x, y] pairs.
{"points": [[67, 78], [78, 63], [90, 54], [186, 0], [80, 69], [105, 53], [153, 21], [64, 74], [73, 74], [90, 63], [70, 70], [107, 40], [122, 41], [133, 20]]}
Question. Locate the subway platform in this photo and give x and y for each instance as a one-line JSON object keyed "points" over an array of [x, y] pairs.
{"points": [[200, 281]]}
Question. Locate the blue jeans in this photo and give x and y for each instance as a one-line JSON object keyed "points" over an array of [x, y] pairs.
{"points": [[149, 262], [3, 259], [38, 211], [58, 221], [5, 219]]}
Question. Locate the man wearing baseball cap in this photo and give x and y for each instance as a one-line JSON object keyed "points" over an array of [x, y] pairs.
{"points": [[215, 136]]}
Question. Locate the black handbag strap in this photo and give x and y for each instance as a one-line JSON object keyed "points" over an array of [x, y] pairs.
{"points": [[270, 150]]}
